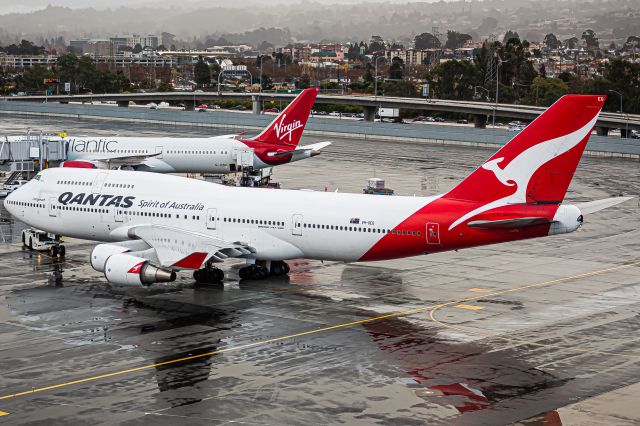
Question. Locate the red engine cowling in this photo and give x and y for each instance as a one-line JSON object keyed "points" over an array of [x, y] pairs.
{"points": [[135, 271]]}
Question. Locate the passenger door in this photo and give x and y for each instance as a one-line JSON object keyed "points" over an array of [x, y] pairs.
{"points": [[53, 210], [98, 182], [433, 233], [296, 224], [212, 217]]}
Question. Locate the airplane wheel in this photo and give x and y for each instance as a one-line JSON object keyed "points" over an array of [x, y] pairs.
{"points": [[208, 276], [253, 272], [279, 268], [62, 251], [54, 251], [286, 267]]}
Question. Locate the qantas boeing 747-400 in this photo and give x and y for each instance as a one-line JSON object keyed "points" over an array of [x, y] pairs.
{"points": [[275, 145], [154, 225]]}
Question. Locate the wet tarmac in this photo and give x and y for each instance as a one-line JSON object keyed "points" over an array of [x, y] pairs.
{"points": [[528, 332]]}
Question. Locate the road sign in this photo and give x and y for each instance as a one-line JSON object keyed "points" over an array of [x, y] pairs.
{"points": [[67, 87], [425, 90]]}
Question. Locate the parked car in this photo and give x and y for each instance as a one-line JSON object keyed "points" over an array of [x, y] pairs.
{"points": [[462, 121], [274, 110], [515, 128], [202, 108], [239, 108], [439, 120]]}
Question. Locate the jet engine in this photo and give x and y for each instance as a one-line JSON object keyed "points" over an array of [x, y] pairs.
{"points": [[102, 252], [130, 270]]}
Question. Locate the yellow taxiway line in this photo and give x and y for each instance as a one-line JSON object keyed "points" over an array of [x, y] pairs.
{"points": [[432, 308]]}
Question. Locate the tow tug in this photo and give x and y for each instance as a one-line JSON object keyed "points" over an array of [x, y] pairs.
{"points": [[35, 239]]}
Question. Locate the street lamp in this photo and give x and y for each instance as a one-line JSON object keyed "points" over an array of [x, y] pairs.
{"points": [[375, 83], [261, 58], [621, 112]]}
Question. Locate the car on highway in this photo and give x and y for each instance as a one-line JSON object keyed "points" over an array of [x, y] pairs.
{"points": [[516, 128], [238, 108], [202, 108], [272, 110]]}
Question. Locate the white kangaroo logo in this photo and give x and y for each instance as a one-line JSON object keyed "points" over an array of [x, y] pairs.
{"points": [[520, 170], [284, 130]]}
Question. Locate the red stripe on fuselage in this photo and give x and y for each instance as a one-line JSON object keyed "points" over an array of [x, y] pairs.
{"points": [[444, 212]]}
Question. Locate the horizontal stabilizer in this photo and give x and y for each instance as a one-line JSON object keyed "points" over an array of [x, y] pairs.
{"points": [[314, 148], [520, 222], [595, 206]]}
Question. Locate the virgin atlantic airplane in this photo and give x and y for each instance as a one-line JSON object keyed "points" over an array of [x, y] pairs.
{"points": [[275, 145], [154, 225]]}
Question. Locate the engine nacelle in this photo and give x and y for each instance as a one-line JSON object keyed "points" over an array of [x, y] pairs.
{"points": [[567, 219], [135, 271], [102, 252]]}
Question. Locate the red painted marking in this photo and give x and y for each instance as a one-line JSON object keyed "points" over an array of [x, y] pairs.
{"points": [[285, 131], [136, 269], [546, 187], [78, 164], [193, 261]]}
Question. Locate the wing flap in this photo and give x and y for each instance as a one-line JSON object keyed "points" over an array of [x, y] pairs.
{"points": [[183, 249]]}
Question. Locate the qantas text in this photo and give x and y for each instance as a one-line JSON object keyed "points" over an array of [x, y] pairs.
{"points": [[103, 200]]}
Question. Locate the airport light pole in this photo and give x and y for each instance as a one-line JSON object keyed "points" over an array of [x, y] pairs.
{"points": [[622, 112], [375, 83], [261, 58]]}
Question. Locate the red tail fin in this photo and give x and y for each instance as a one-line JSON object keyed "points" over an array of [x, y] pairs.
{"points": [[538, 164], [287, 128]]}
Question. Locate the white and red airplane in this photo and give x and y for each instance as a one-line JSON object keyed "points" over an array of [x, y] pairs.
{"points": [[275, 145], [154, 225]]}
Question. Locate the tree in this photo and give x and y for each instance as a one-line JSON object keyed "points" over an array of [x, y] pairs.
{"points": [[545, 91], [590, 39], [510, 35], [456, 40], [551, 41], [137, 48], [201, 73], [455, 80], [571, 43], [305, 81], [267, 83], [396, 70], [427, 41]]}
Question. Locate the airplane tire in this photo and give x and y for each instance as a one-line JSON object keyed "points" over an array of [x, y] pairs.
{"points": [[62, 251], [54, 251], [208, 276]]}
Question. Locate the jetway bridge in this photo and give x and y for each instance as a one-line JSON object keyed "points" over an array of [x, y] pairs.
{"points": [[31, 152], [370, 104]]}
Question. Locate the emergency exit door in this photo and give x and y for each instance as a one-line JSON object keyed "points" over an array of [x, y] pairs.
{"points": [[433, 233]]}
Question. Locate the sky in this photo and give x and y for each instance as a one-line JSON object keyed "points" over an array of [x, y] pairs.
{"points": [[22, 6]]}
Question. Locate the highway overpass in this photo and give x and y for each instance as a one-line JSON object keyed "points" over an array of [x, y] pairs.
{"points": [[480, 110]]}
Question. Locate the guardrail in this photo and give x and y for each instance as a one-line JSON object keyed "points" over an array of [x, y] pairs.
{"points": [[318, 126], [479, 109]]}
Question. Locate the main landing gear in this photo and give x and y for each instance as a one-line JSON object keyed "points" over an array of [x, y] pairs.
{"points": [[208, 275], [263, 269]]}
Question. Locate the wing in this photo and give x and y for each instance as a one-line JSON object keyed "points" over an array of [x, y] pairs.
{"points": [[126, 160], [595, 206], [313, 149], [182, 249]]}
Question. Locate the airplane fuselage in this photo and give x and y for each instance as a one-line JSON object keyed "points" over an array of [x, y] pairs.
{"points": [[282, 224], [216, 155]]}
